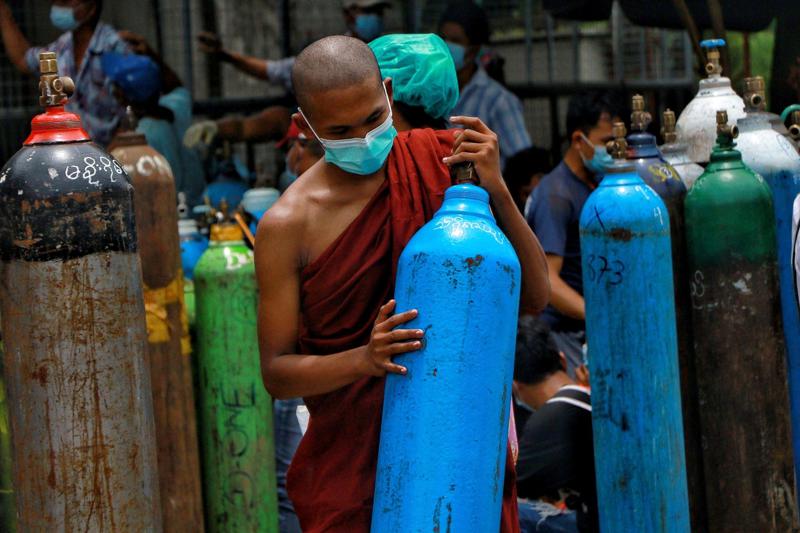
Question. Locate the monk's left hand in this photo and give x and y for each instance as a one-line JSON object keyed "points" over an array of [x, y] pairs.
{"points": [[478, 144]]}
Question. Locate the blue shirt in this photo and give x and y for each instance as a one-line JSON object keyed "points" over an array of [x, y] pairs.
{"points": [[93, 101], [166, 137], [554, 213], [500, 110], [279, 71]]}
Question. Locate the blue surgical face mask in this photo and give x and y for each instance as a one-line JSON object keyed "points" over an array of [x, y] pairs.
{"points": [[458, 52], [599, 162], [360, 155], [368, 26], [63, 18]]}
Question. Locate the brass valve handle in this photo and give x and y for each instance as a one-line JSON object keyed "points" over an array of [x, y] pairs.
{"points": [[755, 93], [668, 123], [640, 118], [464, 173], [618, 148], [54, 90], [794, 127], [723, 128]]}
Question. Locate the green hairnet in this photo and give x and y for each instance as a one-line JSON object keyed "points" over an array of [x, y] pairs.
{"points": [[422, 71]]}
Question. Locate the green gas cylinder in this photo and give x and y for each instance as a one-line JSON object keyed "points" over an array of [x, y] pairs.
{"points": [[739, 349], [235, 410]]}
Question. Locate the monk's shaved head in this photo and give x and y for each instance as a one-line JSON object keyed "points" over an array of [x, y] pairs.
{"points": [[333, 63]]}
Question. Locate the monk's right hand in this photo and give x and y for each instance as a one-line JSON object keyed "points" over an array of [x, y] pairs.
{"points": [[386, 342]]}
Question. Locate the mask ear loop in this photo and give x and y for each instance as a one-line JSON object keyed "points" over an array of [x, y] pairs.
{"points": [[300, 110]]}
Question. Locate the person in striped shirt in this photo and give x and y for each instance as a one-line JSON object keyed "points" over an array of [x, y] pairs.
{"points": [[465, 27]]}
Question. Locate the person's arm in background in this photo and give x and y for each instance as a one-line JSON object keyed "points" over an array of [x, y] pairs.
{"points": [[138, 45], [14, 41], [277, 71], [211, 44], [478, 144], [270, 124], [563, 297]]}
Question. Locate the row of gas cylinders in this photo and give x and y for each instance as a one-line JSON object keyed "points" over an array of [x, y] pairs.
{"points": [[689, 372], [693, 338], [118, 421], [691, 319]]}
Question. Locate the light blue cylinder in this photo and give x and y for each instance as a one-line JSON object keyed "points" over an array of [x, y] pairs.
{"points": [[630, 328], [772, 155], [441, 461]]}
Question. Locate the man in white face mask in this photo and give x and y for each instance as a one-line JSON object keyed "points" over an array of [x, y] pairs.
{"points": [[78, 50], [325, 258]]}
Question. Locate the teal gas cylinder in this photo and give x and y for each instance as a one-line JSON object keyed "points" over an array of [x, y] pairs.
{"points": [[444, 430], [633, 351]]}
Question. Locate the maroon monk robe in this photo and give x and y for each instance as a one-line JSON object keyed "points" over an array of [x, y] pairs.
{"points": [[332, 477]]}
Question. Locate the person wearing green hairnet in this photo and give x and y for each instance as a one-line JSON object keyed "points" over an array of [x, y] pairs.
{"points": [[423, 79]]}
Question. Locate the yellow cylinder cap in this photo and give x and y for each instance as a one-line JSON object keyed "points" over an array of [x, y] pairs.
{"points": [[226, 232]]}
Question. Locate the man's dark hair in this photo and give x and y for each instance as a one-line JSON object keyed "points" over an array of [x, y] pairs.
{"points": [[585, 108], [469, 16], [524, 164], [536, 355], [417, 117]]}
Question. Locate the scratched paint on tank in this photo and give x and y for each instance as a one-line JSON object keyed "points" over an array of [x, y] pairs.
{"points": [[170, 368], [235, 410], [630, 321], [442, 453], [75, 369], [738, 347], [773, 157]]}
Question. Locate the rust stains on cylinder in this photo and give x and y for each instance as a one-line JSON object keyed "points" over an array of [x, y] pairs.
{"points": [[74, 332], [168, 341]]}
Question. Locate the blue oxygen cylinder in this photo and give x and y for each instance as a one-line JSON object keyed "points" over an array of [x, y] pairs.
{"points": [[664, 179], [630, 327], [442, 454]]}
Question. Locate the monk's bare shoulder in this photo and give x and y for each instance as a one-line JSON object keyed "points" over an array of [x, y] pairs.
{"points": [[284, 225]]}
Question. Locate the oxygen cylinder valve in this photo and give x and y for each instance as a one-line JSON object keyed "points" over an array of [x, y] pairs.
{"points": [[464, 173], [183, 206], [755, 94], [640, 118], [725, 132], [794, 126], [618, 148], [712, 46], [668, 127], [54, 90]]}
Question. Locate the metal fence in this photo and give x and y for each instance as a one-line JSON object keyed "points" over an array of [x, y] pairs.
{"points": [[546, 60]]}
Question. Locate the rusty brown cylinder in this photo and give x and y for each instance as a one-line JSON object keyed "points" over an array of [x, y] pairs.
{"points": [[169, 347]]}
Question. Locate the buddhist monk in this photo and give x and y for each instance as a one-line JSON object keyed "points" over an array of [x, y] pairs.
{"points": [[326, 256]]}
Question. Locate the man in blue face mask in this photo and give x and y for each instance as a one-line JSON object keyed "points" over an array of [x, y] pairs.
{"points": [[554, 210], [326, 253], [78, 50], [465, 27]]}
